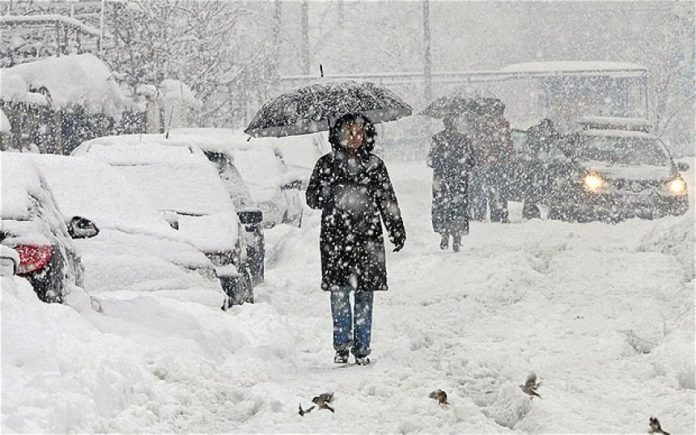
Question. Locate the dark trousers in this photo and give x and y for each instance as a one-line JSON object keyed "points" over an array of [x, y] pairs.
{"points": [[486, 191]]}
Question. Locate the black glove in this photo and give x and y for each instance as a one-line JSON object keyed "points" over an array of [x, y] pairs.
{"points": [[399, 243]]}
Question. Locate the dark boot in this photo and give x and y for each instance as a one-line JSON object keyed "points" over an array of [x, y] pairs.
{"points": [[362, 360], [444, 241], [341, 357]]}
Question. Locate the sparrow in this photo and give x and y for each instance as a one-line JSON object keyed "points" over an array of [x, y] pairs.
{"points": [[531, 384], [655, 426], [322, 401], [440, 396]]}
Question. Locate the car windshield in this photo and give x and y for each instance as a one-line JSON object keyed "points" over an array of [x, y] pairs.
{"points": [[627, 150]]}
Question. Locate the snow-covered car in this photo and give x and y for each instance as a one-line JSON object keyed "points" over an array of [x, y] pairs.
{"points": [[33, 225], [614, 169], [253, 171], [186, 189], [135, 249]]}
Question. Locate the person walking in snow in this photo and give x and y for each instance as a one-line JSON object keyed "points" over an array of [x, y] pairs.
{"points": [[541, 142], [492, 149], [351, 187], [450, 158]]}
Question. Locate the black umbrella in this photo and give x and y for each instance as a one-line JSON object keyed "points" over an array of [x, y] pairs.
{"points": [[313, 108], [448, 106]]}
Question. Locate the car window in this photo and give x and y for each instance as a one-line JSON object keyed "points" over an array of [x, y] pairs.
{"points": [[620, 150]]}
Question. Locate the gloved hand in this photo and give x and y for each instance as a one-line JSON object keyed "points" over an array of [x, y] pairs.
{"points": [[399, 243]]}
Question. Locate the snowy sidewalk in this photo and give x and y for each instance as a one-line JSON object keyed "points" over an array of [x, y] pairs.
{"points": [[602, 313]]}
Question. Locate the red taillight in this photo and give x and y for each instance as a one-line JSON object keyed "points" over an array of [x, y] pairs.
{"points": [[32, 258]]}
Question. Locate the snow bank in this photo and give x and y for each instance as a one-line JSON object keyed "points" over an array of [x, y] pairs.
{"points": [[146, 364], [74, 80]]}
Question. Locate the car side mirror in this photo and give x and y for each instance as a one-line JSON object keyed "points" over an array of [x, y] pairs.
{"points": [[9, 261], [250, 217], [82, 228], [683, 166], [294, 184]]}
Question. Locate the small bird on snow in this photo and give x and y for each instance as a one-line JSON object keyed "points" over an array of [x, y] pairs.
{"points": [[531, 384], [440, 396], [655, 426], [321, 401]]}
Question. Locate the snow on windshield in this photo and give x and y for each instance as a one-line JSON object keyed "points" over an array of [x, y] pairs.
{"points": [[630, 148]]}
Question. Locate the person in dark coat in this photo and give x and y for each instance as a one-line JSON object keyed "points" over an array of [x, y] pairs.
{"points": [[351, 187], [451, 161], [541, 142]]}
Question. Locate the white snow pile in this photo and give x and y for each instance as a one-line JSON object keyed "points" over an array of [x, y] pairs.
{"points": [[73, 80], [148, 363]]}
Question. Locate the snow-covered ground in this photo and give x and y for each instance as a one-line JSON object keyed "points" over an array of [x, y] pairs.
{"points": [[604, 314]]}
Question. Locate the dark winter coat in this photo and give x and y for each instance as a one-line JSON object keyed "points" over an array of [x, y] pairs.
{"points": [[541, 140], [450, 158], [354, 194], [492, 142]]}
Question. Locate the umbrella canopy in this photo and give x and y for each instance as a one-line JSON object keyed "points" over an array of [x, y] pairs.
{"points": [[455, 105], [449, 106], [313, 108]]}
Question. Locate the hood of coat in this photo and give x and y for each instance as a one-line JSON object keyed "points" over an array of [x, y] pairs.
{"points": [[370, 133]]}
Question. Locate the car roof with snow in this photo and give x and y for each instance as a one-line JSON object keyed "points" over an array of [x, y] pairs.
{"points": [[179, 180], [132, 232], [100, 193], [258, 160], [27, 206], [20, 181]]}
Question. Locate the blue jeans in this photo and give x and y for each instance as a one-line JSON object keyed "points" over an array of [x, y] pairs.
{"points": [[352, 332]]}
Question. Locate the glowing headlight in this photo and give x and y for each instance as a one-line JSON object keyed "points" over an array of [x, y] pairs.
{"points": [[593, 182], [677, 186]]}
